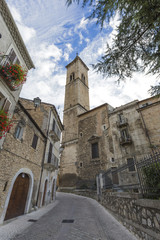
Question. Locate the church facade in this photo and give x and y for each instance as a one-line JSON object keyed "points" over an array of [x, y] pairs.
{"points": [[104, 137]]}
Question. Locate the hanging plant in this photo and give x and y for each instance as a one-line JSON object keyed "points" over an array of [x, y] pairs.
{"points": [[5, 123], [14, 75]]}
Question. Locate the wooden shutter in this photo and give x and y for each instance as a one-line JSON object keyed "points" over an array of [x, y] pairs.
{"points": [[34, 142]]}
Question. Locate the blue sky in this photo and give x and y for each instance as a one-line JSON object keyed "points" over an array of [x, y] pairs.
{"points": [[53, 34]]}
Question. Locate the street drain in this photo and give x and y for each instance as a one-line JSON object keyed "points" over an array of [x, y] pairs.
{"points": [[67, 221], [32, 220]]}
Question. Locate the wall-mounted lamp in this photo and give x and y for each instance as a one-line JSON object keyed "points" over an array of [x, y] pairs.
{"points": [[37, 102]]}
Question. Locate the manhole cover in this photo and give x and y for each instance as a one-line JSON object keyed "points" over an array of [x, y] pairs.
{"points": [[67, 221], [32, 220]]}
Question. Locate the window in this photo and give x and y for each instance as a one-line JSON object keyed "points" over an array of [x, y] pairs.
{"points": [[112, 160], [124, 133], [19, 129], [19, 132], [50, 153], [2, 100], [83, 77], [34, 142], [12, 58], [72, 77], [130, 162], [95, 152], [121, 117], [53, 125], [6, 105], [81, 164]]}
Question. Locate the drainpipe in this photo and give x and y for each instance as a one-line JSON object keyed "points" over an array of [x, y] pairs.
{"points": [[40, 180]]}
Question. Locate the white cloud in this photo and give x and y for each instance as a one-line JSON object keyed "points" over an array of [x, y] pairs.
{"points": [[66, 56], [69, 47], [107, 90], [83, 23], [49, 29], [46, 51], [27, 32]]}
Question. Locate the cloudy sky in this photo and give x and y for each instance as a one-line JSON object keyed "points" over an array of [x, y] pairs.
{"points": [[53, 35]]}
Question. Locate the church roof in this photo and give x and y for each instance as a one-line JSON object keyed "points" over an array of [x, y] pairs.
{"points": [[77, 58]]}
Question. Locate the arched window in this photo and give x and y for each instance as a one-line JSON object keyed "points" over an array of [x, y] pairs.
{"points": [[72, 76], [83, 77]]}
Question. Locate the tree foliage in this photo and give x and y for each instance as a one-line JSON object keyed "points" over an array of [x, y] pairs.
{"points": [[136, 46]]}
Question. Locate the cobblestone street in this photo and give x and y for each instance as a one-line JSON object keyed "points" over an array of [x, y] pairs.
{"points": [[88, 220]]}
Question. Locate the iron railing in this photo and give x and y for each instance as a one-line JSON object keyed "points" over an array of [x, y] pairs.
{"points": [[142, 176]]}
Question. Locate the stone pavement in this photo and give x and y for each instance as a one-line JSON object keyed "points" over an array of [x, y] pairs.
{"points": [[88, 220]]}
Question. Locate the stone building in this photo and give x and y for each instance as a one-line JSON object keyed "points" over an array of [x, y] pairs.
{"points": [[29, 160], [48, 120], [12, 50], [21, 165], [104, 137]]}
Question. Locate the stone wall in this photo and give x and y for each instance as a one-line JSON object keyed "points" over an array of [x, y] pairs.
{"points": [[17, 155], [141, 216]]}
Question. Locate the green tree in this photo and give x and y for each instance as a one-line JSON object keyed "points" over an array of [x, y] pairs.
{"points": [[136, 46]]}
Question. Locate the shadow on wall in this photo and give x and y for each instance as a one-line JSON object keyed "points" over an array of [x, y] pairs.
{"points": [[73, 181], [68, 180]]}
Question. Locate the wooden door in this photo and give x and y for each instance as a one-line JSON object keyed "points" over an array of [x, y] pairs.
{"points": [[44, 193], [18, 197]]}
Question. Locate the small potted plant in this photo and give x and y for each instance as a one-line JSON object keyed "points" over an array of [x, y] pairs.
{"points": [[5, 123], [14, 75]]}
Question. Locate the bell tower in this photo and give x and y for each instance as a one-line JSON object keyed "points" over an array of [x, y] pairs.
{"points": [[76, 102], [76, 92]]}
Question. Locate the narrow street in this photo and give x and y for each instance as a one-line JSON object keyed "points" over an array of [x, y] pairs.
{"points": [[70, 217]]}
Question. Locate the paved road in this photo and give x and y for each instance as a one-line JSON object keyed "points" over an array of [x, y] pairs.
{"points": [[88, 221]]}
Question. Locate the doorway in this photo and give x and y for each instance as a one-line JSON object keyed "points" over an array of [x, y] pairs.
{"points": [[18, 197]]}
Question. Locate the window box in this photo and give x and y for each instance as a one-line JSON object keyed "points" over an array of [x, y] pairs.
{"points": [[10, 82], [13, 75]]}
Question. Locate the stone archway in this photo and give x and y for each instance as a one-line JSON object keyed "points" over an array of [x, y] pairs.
{"points": [[44, 192], [18, 197]]}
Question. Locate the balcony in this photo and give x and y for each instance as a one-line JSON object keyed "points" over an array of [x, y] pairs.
{"points": [[52, 163], [125, 140], [123, 122]]}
